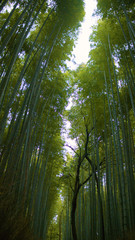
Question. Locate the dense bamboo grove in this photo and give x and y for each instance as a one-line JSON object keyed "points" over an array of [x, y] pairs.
{"points": [[36, 38], [103, 124], [43, 193]]}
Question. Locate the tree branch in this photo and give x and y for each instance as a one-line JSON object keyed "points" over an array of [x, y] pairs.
{"points": [[70, 183], [85, 181], [78, 146], [72, 149]]}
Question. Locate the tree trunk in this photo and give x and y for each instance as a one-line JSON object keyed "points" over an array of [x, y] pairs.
{"points": [[74, 233]]}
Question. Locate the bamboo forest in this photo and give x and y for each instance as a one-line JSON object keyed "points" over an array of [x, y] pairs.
{"points": [[50, 188]]}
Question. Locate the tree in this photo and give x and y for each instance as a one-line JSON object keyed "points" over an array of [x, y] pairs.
{"points": [[104, 96], [96, 184], [79, 159]]}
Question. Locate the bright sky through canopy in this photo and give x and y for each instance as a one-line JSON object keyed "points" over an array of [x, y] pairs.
{"points": [[80, 54], [82, 48]]}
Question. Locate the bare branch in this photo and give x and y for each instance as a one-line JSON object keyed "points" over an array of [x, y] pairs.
{"points": [[71, 185], [85, 181], [86, 143], [78, 145], [72, 149]]}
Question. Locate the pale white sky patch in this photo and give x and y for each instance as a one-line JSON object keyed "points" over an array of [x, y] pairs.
{"points": [[82, 48], [80, 55]]}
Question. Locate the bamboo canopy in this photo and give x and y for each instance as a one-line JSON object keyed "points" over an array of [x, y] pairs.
{"points": [[46, 193]]}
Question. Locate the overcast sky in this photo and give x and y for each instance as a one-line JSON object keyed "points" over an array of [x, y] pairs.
{"points": [[81, 52], [82, 47]]}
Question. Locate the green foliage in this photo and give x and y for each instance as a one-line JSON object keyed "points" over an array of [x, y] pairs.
{"points": [[108, 8], [42, 191], [103, 93], [70, 11], [34, 89]]}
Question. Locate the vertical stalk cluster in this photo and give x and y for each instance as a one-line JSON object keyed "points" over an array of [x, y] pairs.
{"points": [[105, 205], [33, 95]]}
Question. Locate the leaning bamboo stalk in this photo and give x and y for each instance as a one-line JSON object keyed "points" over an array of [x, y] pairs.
{"points": [[3, 4], [108, 179], [31, 90], [5, 80], [114, 139], [7, 39], [9, 17], [129, 23], [131, 53], [21, 40]]}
